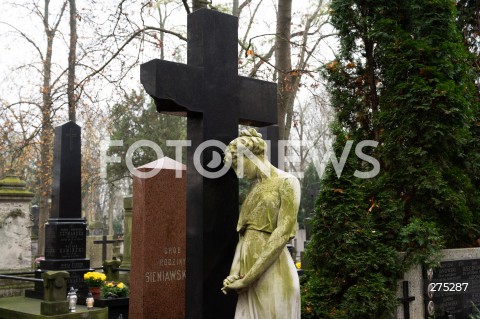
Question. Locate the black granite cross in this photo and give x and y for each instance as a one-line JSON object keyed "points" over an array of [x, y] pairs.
{"points": [[405, 300], [215, 100]]}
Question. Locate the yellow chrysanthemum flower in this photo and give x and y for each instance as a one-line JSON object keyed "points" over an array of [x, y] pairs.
{"points": [[94, 279]]}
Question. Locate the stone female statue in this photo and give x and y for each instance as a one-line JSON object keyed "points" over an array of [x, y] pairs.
{"points": [[263, 272]]}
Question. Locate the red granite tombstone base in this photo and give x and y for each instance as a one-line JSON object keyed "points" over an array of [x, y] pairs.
{"points": [[157, 277]]}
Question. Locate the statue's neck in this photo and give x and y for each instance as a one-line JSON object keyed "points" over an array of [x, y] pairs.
{"points": [[267, 171]]}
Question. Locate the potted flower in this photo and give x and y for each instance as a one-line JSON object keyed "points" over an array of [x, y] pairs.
{"points": [[112, 289], [94, 281]]}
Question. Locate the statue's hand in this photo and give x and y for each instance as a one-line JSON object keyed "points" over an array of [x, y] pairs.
{"points": [[230, 279], [233, 282]]}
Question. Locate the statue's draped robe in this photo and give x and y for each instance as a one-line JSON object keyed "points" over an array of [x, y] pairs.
{"points": [[270, 208]]}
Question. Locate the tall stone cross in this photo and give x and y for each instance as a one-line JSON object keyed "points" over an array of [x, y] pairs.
{"points": [[215, 99]]}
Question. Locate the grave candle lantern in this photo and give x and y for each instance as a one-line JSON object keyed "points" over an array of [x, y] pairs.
{"points": [[89, 301], [72, 299]]}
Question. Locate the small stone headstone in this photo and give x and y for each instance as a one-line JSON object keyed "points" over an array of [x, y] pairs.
{"points": [[158, 257]]}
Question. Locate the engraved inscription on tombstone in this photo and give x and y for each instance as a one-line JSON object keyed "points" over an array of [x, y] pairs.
{"points": [[65, 241], [452, 289]]}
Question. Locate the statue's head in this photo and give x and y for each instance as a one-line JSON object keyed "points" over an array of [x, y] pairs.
{"points": [[246, 153]]}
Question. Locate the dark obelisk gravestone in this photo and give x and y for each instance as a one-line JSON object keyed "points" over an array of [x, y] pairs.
{"points": [[65, 231], [215, 100]]}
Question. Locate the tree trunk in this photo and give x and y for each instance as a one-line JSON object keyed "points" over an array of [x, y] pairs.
{"points": [[235, 10], [72, 56], [198, 4], [283, 63], [46, 136], [162, 34]]}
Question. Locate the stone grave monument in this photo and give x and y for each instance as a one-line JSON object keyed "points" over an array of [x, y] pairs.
{"points": [[157, 277], [449, 291], [65, 231], [127, 239], [15, 224], [15, 234], [215, 100]]}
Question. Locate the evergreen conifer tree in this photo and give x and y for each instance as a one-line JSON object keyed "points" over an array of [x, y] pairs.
{"points": [[135, 119]]}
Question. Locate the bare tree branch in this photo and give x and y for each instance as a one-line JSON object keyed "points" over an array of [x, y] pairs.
{"points": [[133, 36], [250, 25], [265, 59], [8, 106], [60, 16], [26, 38], [187, 8], [262, 60], [243, 5]]}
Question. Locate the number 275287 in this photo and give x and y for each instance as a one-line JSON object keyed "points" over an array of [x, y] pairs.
{"points": [[448, 286]]}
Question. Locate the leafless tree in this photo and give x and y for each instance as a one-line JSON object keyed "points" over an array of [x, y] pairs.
{"points": [[72, 60]]}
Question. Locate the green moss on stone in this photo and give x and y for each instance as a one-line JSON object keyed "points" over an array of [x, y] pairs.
{"points": [[127, 202], [15, 213], [11, 180], [11, 186]]}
